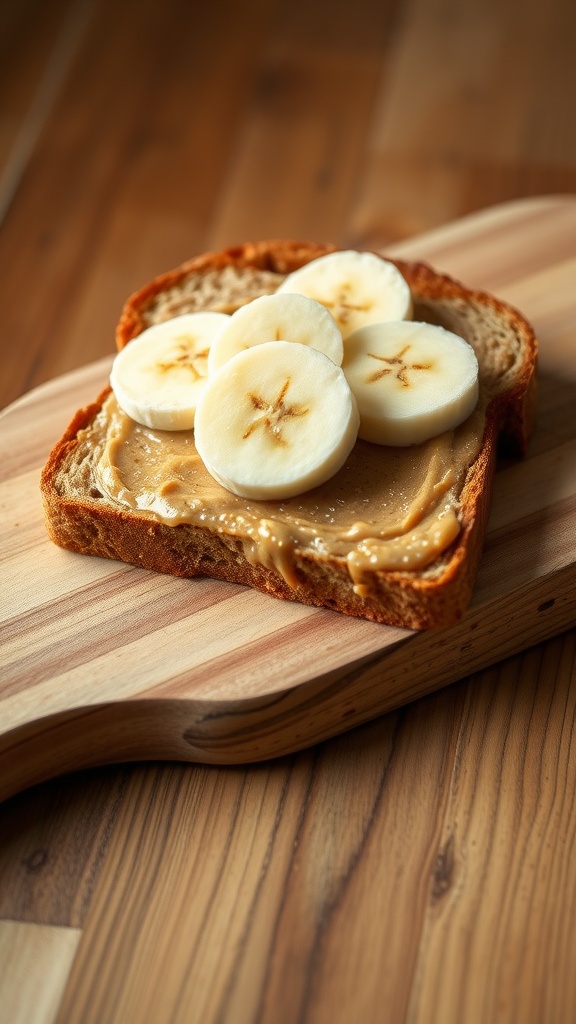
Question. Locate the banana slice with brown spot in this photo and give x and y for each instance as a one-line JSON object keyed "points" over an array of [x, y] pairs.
{"points": [[278, 317], [276, 420], [358, 288], [412, 381], [159, 376]]}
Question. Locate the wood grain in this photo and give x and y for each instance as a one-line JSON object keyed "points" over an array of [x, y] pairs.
{"points": [[54, 844], [419, 868], [35, 63], [34, 965], [325, 899], [169, 134], [461, 138]]}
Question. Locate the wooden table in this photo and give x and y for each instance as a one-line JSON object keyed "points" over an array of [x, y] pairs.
{"points": [[421, 867]]}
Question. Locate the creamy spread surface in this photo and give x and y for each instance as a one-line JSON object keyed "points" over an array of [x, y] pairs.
{"points": [[386, 509]]}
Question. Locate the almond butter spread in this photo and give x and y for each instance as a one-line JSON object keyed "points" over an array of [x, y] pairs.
{"points": [[387, 508]]}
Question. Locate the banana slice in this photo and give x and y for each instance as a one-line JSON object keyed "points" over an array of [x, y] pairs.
{"points": [[159, 376], [358, 288], [412, 381], [276, 420], [277, 318]]}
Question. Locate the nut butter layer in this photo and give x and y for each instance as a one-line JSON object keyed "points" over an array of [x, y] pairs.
{"points": [[385, 509], [395, 536]]}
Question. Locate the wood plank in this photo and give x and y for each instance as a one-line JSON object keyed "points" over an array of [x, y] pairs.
{"points": [[463, 121], [38, 40], [280, 112], [80, 236], [307, 126], [276, 848], [505, 869], [54, 843], [495, 262], [442, 887], [34, 965]]}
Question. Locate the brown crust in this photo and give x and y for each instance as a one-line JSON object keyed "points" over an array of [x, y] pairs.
{"points": [[89, 525], [280, 257]]}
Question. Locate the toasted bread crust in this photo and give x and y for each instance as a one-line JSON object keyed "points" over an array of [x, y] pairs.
{"points": [[278, 257], [85, 523]]}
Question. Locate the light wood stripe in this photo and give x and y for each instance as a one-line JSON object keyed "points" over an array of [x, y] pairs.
{"points": [[67, 44], [496, 261], [35, 961], [533, 485]]}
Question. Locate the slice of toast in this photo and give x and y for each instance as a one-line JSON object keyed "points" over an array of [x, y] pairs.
{"points": [[307, 549]]}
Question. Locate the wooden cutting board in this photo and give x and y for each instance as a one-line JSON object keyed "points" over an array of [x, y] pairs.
{"points": [[102, 662]]}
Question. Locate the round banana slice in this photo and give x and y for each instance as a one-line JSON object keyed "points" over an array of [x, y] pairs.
{"points": [[358, 288], [412, 381], [275, 421], [159, 376], [277, 318]]}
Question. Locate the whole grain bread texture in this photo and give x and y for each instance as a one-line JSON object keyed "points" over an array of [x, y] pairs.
{"points": [[82, 519]]}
